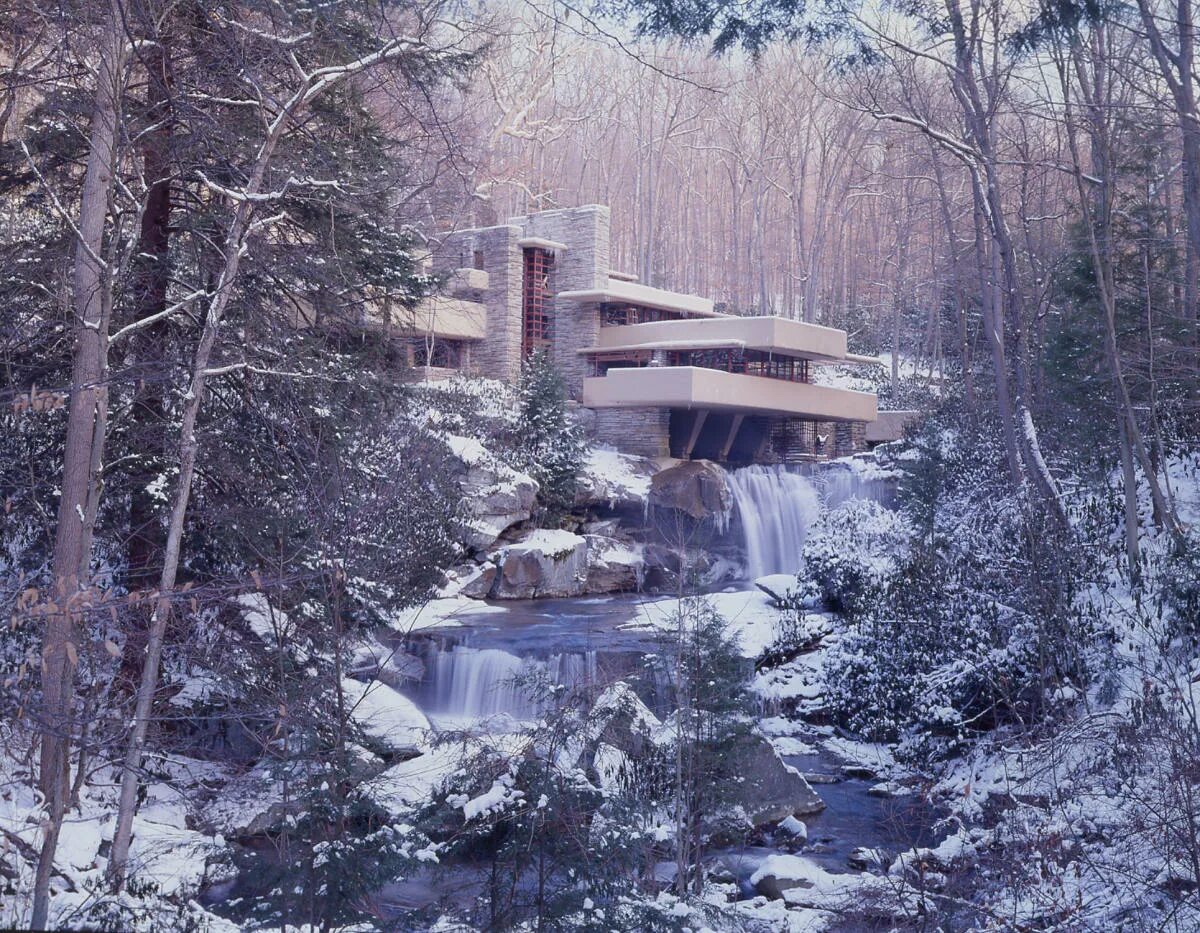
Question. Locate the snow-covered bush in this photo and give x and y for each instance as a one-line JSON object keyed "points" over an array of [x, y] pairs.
{"points": [[1181, 587], [982, 613], [853, 550], [550, 441]]}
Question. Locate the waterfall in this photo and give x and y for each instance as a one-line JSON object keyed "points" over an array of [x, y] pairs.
{"points": [[472, 684], [837, 485], [775, 508]]}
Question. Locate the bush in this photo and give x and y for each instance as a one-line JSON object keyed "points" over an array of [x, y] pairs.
{"points": [[853, 550], [551, 444]]}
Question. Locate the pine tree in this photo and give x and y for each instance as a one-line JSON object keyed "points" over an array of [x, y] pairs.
{"points": [[550, 442]]}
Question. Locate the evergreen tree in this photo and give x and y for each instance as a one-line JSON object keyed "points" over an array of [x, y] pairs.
{"points": [[550, 442]]}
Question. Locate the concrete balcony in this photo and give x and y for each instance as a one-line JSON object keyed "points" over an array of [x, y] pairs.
{"points": [[437, 316], [692, 387], [622, 291], [776, 335]]}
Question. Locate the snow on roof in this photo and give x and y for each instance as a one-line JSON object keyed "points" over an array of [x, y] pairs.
{"points": [[637, 294]]}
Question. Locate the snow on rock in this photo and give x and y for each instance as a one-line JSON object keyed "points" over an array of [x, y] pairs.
{"points": [[270, 624], [496, 497], [800, 680], [802, 883], [614, 480], [544, 562], [794, 828], [474, 580], [387, 717], [780, 873], [440, 613], [496, 799], [614, 565], [410, 783], [751, 615]]}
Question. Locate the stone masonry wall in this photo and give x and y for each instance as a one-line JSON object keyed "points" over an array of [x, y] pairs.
{"points": [[849, 437], [583, 265], [498, 355], [645, 432]]}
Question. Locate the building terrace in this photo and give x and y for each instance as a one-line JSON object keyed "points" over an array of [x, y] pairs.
{"points": [[662, 373]]}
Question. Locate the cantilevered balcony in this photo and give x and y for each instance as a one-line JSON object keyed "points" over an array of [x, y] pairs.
{"points": [[776, 335], [436, 316], [692, 387]]}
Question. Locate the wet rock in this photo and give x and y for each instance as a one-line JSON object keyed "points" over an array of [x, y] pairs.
{"points": [[694, 487], [613, 565], [865, 857], [815, 777], [859, 771], [544, 563]]}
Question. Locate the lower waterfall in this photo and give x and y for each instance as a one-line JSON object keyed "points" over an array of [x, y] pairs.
{"points": [[472, 684], [775, 508]]}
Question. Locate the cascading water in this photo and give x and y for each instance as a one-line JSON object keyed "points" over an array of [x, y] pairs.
{"points": [[839, 485], [775, 508], [474, 684]]}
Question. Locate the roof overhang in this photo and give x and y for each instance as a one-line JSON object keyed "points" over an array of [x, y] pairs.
{"points": [[774, 335], [619, 291], [537, 242], [666, 345], [694, 387], [435, 316]]}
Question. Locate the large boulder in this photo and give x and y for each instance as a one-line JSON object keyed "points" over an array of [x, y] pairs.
{"points": [[695, 487], [545, 562], [613, 480], [496, 496], [770, 789], [473, 580], [614, 566]]}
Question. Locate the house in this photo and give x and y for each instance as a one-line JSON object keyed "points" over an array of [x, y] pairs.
{"points": [[662, 373]]}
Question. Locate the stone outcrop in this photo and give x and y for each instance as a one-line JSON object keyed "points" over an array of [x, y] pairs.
{"points": [[771, 790], [613, 565], [496, 496], [694, 487], [544, 563], [473, 580], [611, 480]]}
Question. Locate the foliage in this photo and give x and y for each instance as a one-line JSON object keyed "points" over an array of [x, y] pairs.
{"points": [[980, 621], [549, 440], [852, 551]]}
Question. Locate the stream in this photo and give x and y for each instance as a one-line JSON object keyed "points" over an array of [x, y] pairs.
{"points": [[470, 677], [588, 643]]}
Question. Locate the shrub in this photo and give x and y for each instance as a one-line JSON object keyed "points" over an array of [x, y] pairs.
{"points": [[853, 550], [550, 442]]}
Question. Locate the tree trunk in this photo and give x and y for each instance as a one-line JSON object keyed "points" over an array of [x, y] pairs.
{"points": [[148, 409], [83, 451]]}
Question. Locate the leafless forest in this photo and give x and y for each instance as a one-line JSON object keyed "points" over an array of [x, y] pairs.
{"points": [[226, 506]]}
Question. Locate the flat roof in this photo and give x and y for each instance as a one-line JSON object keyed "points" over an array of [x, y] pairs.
{"points": [[667, 345], [537, 242], [694, 387], [765, 333], [635, 293]]}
